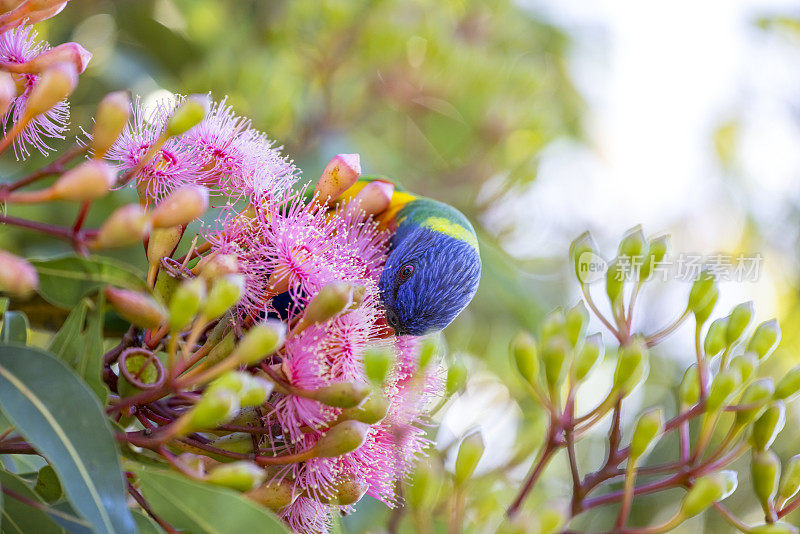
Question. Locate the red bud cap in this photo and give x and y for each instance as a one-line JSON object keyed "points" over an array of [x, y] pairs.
{"points": [[181, 207], [54, 85], [342, 172], [345, 437], [125, 226], [90, 180], [112, 115], [137, 308], [17, 277], [72, 53]]}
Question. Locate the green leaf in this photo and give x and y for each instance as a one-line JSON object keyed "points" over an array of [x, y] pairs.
{"points": [[201, 508], [62, 418], [66, 343], [65, 280], [15, 328], [20, 518], [47, 484], [144, 524], [90, 360]]}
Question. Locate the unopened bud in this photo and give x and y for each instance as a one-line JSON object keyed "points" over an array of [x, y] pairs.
{"points": [[217, 265], [373, 199], [260, 341], [554, 325], [702, 315], [631, 366], [127, 225], [633, 244], [427, 351], [214, 408], [746, 364], [239, 476], [372, 411], [756, 396], [773, 528], [378, 362], [341, 394], [722, 388], [185, 303], [789, 386], [87, 181], [716, 337], [162, 243], [54, 85], [137, 308], [657, 250], [71, 53], [582, 251], [112, 115], [274, 495], [615, 281], [790, 481], [342, 438], [689, 391], [577, 319], [329, 302], [765, 339], [765, 472], [648, 428], [424, 484], [252, 390], [240, 442], [348, 491], [555, 361], [738, 321], [221, 350], [526, 358], [469, 454], [340, 173], [456, 378], [768, 426], [8, 91], [181, 207], [587, 358], [188, 114], [225, 292], [706, 491], [17, 277], [702, 291]]}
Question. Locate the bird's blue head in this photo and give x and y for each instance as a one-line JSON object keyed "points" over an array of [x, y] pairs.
{"points": [[429, 277]]}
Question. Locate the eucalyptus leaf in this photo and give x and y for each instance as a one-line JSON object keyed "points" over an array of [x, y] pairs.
{"points": [[144, 524], [60, 416], [65, 280], [15, 328], [201, 508], [47, 484], [89, 364], [66, 343], [20, 518]]}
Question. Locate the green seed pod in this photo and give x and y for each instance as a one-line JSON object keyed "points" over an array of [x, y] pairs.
{"points": [[378, 361], [789, 386], [689, 391], [588, 357], [469, 454], [702, 292], [657, 249], [345, 437], [576, 320], [768, 426], [341, 394], [765, 338], [706, 491], [185, 303], [225, 292], [555, 361], [745, 364], [554, 325], [189, 114], [214, 408], [274, 495], [427, 352], [631, 366], [580, 250], [239, 476], [456, 378], [526, 358], [716, 337], [615, 281], [773, 528], [633, 244], [765, 471], [260, 341], [648, 428], [790, 481], [738, 321], [722, 388], [371, 411], [758, 394]]}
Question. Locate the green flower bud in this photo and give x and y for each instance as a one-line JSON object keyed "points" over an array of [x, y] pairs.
{"points": [[722, 388], [554, 325], [582, 251], [588, 357], [378, 361], [689, 391], [738, 321], [768, 426], [523, 349], [137, 308], [745, 364], [789, 386], [702, 315], [189, 114], [225, 292], [239, 476], [657, 250], [182, 206], [703, 290], [345, 437], [252, 390], [185, 303], [274, 495], [790, 481], [631, 366], [214, 408], [577, 319], [17, 277], [54, 85], [260, 341], [372, 411], [87, 181], [706, 491], [456, 378], [716, 337], [112, 115], [773, 528], [340, 173], [348, 491], [125, 226], [765, 471], [615, 281], [469, 454], [765, 338], [427, 352], [331, 300], [221, 350], [758, 394], [648, 428], [341, 394], [240, 442], [555, 361], [633, 244], [162, 243]]}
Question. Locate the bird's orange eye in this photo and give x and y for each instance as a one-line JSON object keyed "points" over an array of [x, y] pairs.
{"points": [[406, 271]]}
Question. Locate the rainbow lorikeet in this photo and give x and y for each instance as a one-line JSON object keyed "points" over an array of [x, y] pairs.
{"points": [[433, 268]]}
